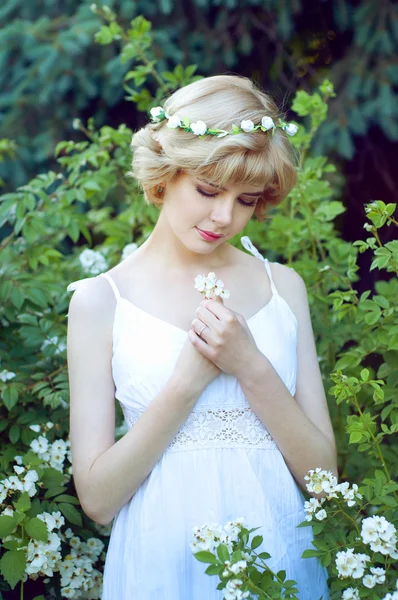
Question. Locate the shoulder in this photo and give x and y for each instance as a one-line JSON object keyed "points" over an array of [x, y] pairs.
{"points": [[92, 299], [290, 286]]}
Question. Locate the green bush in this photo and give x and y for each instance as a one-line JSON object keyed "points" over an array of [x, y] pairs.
{"points": [[52, 71], [89, 204]]}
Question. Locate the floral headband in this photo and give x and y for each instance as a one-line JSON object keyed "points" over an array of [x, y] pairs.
{"points": [[158, 114]]}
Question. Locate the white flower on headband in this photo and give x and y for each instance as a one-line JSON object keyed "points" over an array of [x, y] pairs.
{"points": [[199, 128], [267, 123], [247, 126], [291, 129], [174, 122], [156, 112], [210, 286]]}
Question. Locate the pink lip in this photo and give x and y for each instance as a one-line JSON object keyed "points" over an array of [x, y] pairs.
{"points": [[209, 234]]}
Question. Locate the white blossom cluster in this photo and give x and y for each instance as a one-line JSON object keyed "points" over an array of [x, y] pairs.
{"points": [[232, 590], [42, 557], [210, 286], [311, 508], [353, 565], [93, 261], [350, 564], [76, 569], [321, 481], [24, 481], [128, 250], [54, 454], [353, 593], [381, 535], [208, 537]]}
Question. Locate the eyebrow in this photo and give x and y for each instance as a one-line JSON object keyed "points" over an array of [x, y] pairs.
{"points": [[224, 189]]}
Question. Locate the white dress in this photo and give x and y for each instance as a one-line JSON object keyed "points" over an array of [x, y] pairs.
{"points": [[221, 465]]}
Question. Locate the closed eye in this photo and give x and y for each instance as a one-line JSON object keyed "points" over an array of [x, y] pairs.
{"points": [[203, 193]]}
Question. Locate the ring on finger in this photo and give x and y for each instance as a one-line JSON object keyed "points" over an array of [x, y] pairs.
{"points": [[202, 330]]}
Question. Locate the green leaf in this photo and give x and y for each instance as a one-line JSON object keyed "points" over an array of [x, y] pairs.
{"points": [[389, 501], [10, 396], [355, 437], [7, 525], [67, 498], [70, 513], [365, 374], [310, 553], [256, 542], [54, 491], [12, 566], [206, 557], [23, 503], [318, 527], [264, 555], [14, 434], [37, 529], [222, 552], [213, 569]]}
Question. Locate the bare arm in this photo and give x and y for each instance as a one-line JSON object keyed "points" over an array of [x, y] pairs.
{"points": [[107, 474], [300, 425]]}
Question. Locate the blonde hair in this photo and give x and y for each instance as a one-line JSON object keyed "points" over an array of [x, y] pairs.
{"points": [[256, 158]]}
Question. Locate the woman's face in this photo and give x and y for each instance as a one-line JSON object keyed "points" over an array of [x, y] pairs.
{"points": [[192, 205]]}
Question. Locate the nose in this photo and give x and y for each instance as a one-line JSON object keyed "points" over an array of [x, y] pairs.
{"points": [[222, 213]]}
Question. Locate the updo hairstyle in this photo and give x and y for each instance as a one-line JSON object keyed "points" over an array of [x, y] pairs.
{"points": [[257, 158]]}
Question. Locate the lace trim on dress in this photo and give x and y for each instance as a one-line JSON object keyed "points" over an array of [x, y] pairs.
{"points": [[235, 427]]}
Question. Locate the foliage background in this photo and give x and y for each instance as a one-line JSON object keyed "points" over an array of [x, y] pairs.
{"points": [[54, 73]]}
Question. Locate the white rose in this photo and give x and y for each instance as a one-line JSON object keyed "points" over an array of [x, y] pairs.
{"points": [[247, 126], [369, 581], [291, 129], [6, 375], [156, 112], [174, 122], [267, 123], [199, 128]]}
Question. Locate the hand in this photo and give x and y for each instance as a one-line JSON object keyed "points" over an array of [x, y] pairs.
{"points": [[226, 340], [193, 370]]}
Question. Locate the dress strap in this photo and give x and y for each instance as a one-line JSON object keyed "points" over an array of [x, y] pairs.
{"points": [[248, 245], [75, 284], [72, 286], [113, 284]]}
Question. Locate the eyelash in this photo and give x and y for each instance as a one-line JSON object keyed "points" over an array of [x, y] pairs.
{"points": [[248, 204]]}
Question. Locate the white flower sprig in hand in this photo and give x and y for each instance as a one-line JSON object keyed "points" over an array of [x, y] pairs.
{"points": [[210, 286]]}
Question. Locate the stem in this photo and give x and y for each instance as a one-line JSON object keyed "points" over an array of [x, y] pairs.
{"points": [[22, 583], [254, 588], [375, 442]]}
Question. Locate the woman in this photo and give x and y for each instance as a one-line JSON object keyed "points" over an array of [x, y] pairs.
{"points": [[224, 398]]}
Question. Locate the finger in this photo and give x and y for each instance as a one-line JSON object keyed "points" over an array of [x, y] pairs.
{"points": [[218, 309], [200, 345], [207, 318], [199, 327]]}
